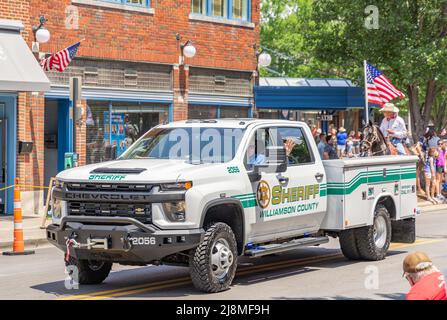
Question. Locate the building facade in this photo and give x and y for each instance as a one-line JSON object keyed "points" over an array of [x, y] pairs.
{"points": [[133, 75]]}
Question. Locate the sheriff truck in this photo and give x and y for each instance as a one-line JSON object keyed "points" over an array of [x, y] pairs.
{"points": [[201, 193]]}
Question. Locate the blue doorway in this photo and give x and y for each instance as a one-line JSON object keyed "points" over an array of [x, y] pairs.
{"points": [[56, 136], [8, 134]]}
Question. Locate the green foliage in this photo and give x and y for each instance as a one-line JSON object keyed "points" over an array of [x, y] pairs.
{"points": [[284, 28], [328, 38], [409, 46]]}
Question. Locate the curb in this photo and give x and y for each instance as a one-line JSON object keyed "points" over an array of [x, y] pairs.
{"points": [[29, 244], [434, 207]]}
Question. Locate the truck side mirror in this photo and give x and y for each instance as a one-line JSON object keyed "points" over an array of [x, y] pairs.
{"points": [[276, 162], [277, 158], [110, 152]]}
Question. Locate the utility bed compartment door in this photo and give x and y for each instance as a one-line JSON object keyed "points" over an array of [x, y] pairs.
{"points": [[356, 205], [408, 197]]}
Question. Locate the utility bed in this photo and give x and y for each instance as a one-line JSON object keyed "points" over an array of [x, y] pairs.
{"points": [[354, 185]]}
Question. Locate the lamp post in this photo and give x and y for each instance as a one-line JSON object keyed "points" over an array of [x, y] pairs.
{"points": [[187, 49], [263, 60], [41, 34]]}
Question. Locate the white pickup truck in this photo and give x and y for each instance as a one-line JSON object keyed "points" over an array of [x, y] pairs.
{"points": [[200, 193]]}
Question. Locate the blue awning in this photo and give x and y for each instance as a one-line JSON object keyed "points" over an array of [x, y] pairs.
{"points": [[308, 94]]}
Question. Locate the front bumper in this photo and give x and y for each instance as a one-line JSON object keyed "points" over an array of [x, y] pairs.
{"points": [[127, 240]]}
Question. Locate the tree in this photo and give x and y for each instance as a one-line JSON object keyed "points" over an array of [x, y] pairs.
{"points": [[409, 45], [439, 114], [284, 24]]}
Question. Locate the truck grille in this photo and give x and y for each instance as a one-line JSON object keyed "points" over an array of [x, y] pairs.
{"points": [[140, 212], [110, 187]]}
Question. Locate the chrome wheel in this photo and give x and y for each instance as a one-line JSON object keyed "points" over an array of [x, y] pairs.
{"points": [[380, 232], [221, 258]]}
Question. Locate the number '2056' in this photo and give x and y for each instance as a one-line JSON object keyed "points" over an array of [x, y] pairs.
{"points": [[143, 241]]}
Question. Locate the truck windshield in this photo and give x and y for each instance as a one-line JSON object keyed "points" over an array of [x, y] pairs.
{"points": [[195, 145]]}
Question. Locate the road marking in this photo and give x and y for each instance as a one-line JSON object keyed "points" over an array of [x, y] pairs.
{"points": [[421, 241], [173, 283]]}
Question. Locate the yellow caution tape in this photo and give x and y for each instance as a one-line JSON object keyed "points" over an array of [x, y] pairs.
{"points": [[6, 188], [24, 186]]}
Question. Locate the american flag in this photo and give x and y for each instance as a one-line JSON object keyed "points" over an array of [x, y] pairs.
{"points": [[380, 89], [60, 60]]}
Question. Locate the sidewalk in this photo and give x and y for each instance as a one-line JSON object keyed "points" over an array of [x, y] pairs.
{"points": [[32, 234]]}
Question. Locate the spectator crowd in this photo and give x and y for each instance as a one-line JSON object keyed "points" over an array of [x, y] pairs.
{"points": [[431, 150]]}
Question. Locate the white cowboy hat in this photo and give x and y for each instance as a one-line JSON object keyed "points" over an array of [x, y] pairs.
{"points": [[390, 107]]}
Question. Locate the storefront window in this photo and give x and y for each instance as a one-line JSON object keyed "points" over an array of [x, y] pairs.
{"points": [[96, 131], [234, 112], [202, 112], [111, 131]]}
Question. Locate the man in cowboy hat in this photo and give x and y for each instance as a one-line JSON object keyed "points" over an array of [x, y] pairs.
{"points": [[393, 127], [427, 283]]}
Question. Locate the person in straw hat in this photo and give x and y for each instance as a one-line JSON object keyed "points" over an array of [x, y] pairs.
{"points": [[393, 127], [427, 283]]}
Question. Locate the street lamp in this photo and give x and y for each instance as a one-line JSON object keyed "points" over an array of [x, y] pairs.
{"points": [[187, 49], [264, 59], [41, 34]]}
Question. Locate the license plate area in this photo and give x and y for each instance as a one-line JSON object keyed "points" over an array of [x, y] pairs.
{"points": [[99, 243]]}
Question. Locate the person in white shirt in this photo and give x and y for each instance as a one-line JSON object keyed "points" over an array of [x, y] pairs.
{"points": [[394, 127]]}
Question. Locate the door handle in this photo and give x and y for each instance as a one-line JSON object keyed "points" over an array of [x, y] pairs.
{"points": [[283, 180], [319, 176]]}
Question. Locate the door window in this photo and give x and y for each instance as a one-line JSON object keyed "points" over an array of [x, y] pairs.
{"points": [[256, 149], [296, 145]]}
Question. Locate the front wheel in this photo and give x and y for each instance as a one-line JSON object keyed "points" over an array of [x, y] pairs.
{"points": [[88, 271], [213, 263], [373, 241]]}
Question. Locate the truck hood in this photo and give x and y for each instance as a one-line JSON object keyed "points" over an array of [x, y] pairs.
{"points": [[158, 170]]}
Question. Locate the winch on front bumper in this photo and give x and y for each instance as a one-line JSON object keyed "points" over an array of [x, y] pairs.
{"points": [[119, 239]]}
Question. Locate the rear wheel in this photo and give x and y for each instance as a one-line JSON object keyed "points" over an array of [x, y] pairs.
{"points": [[348, 244], [88, 271], [213, 263], [373, 241]]}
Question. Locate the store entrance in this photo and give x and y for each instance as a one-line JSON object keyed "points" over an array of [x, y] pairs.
{"points": [[7, 153], [3, 130]]}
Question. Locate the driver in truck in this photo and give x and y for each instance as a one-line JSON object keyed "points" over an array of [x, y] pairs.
{"points": [[253, 157]]}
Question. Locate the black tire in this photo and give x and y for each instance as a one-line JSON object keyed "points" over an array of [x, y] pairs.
{"points": [[89, 272], [348, 244], [201, 267], [365, 237], [404, 231]]}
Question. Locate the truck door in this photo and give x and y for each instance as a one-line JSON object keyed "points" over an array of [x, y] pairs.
{"points": [[293, 202]]}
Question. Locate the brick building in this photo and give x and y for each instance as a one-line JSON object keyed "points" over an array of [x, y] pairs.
{"points": [[132, 75]]}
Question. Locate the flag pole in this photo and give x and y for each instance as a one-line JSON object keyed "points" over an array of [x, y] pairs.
{"points": [[366, 92]]}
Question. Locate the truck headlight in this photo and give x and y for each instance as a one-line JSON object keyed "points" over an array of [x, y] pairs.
{"points": [[59, 184], [175, 211], [57, 209], [176, 186]]}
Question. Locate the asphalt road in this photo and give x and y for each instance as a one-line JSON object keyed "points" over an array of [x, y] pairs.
{"points": [[308, 273]]}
